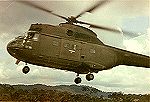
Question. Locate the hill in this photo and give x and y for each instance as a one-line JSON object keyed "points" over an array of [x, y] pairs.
{"points": [[64, 93], [73, 89]]}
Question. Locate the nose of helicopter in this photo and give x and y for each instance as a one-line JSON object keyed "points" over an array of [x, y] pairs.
{"points": [[13, 47]]}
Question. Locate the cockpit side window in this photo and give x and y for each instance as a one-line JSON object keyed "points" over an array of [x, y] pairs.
{"points": [[33, 35]]}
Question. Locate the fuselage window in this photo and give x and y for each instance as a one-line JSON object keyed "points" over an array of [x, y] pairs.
{"points": [[92, 51], [69, 32]]}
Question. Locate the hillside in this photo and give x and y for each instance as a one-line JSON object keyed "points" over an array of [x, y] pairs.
{"points": [[64, 93], [73, 89]]}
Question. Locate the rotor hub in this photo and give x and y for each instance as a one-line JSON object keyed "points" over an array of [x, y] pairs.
{"points": [[72, 20]]}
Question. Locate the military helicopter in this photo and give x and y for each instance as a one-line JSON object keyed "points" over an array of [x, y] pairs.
{"points": [[71, 47]]}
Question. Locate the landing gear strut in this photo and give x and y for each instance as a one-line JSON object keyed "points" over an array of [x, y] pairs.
{"points": [[26, 69], [78, 79], [89, 77]]}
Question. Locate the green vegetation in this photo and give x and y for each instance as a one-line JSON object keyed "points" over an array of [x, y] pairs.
{"points": [[54, 94]]}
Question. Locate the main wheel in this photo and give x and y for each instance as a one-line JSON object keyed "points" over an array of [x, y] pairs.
{"points": [[89, 77], [77, 80], [26, 69]]}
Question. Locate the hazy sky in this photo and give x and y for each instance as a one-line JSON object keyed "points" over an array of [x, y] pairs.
{"points": [[132, 15]]}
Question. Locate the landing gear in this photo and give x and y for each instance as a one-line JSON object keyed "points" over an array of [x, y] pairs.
{"points": [[89, 77], [26, 69], [78, 79]]}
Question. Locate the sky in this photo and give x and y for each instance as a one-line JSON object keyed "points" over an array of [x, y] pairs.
{"points": [[130, 15]]}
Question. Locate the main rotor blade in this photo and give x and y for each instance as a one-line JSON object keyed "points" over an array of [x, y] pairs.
{"points": [[105, 28], [41, 8], [100, 27], [94, 7], [128, 33]]}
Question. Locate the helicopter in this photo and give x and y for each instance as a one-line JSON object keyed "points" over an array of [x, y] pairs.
{"points": [[71, 47]]}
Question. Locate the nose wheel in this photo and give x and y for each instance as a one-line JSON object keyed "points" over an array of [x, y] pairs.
{"points": [[26, 69], [78, 79]]}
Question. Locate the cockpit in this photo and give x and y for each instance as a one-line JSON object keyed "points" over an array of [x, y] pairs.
{"points": [[24, 41]]}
